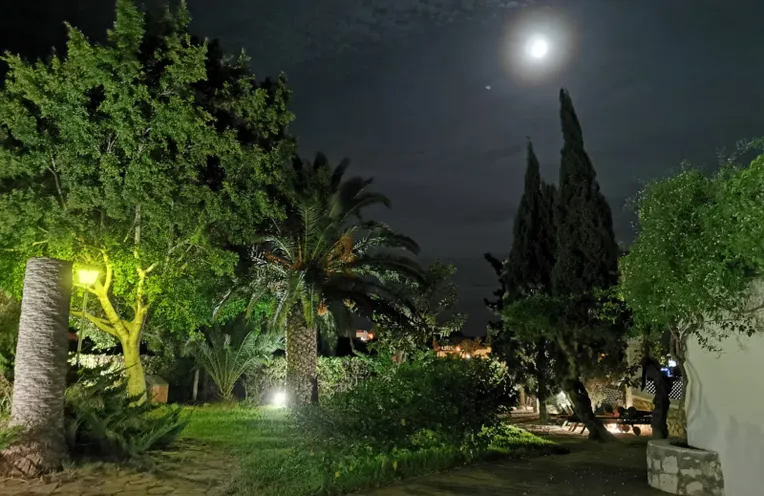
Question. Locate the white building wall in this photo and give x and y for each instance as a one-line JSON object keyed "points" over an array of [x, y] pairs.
{"points": [[725, 410]]}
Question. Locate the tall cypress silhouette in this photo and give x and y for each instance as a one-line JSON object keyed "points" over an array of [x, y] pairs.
{"points": [[587, 253], [586, 259], [532, 257], [527, 272]]}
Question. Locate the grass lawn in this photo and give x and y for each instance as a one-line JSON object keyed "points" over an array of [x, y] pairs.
{"points": [[272, 462]]}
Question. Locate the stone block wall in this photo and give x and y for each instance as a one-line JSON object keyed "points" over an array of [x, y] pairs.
{"points": [[682, 470]]}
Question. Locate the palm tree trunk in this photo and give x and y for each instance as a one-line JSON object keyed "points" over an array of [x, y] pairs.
{"points": [[40, 371], [302, 357]]}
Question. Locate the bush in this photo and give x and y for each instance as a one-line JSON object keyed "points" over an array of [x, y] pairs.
{"points": [[335, 374], [419, 404], [102, 420]]}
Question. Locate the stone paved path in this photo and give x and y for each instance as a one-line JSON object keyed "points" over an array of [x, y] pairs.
{"points": [[589, 470], [191, 470]]}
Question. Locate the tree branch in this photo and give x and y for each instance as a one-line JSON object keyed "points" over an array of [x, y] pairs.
{"points": [[53, 169], [102, 324]]}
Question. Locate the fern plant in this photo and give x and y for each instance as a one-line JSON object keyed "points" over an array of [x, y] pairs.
{"points": [[226, 358], [103, 420]]}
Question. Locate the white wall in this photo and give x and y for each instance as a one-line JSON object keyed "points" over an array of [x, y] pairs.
{"points": [[726, 410]]}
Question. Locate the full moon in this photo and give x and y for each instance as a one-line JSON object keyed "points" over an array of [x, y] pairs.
{"points": [[537, 48]]}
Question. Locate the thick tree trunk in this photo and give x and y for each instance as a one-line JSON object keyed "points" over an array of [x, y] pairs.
{"points": [[651, 369], [301, 356], [136, 379], [40, 371], [543, 412], [582, 406]]}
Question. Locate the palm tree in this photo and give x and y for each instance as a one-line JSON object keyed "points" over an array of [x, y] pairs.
{"points": [[326, 263], [40, 370], [226, 356]]}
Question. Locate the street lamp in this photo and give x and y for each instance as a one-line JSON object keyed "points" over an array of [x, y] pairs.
{"points": [[86, 277]]}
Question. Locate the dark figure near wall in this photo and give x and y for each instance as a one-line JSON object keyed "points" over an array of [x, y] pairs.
{"points": [[651, 369]]}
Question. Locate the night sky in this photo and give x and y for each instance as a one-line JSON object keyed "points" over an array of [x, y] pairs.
{"points": [[402, 88]]}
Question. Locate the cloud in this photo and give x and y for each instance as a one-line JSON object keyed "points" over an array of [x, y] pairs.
{"points": [[300, 31]]}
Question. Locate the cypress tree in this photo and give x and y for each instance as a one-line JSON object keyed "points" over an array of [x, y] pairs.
{"points": [[587, 253], [531, 257], [527, 272], [586, 259]]}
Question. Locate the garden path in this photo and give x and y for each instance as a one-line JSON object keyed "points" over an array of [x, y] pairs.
{"points": [[590, 469], [190, 470]]}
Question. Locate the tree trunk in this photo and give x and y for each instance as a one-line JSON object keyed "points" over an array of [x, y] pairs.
{"points": [[136, 379], [301, 357], [40, 371], [541, 399], [195, 388], [651, 369], [582, 406], [541, 379]]}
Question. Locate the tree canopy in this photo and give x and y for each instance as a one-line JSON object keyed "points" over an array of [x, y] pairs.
{"points": [[693, 267], [146, 158]]}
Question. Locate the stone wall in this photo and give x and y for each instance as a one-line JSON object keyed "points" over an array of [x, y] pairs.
{"points": [[685, 471]]}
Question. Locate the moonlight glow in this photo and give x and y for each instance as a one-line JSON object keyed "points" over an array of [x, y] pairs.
{"points": [[537, 48]]}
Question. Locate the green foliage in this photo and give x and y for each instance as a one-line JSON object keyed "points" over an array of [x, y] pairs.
{"points": [[103, 420], [147, 157], [8, 435], [527, 272], [10, 311], [429, 306], [274, 461], [324, 260], [227, 356], [692, 268], [6, 395], [586, 342], [419, 404], [335, 374]]}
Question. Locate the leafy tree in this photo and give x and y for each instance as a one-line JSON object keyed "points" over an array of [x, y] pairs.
{"points": [[137, 158], [324, 262], [527, 272], [429, 308], [692, 270]]}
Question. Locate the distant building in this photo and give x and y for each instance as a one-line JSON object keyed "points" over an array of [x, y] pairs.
{"points": [[464, 347]]}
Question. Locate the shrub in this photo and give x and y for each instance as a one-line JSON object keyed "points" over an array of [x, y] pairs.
{"points": [[419, 404], [335, 374], [102, 420]]}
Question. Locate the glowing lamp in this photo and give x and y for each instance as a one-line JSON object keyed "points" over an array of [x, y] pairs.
{"points": [[279, 399], [87, 277]]}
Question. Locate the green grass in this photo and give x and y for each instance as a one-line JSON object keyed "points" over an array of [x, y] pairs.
{"points": [[272, 462]]}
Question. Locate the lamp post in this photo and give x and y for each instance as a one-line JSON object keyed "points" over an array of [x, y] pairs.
{"points": [[86, 277]]}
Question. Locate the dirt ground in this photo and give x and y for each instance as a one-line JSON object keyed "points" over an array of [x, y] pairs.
{"points": [[590, 469], [190, 470]]}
